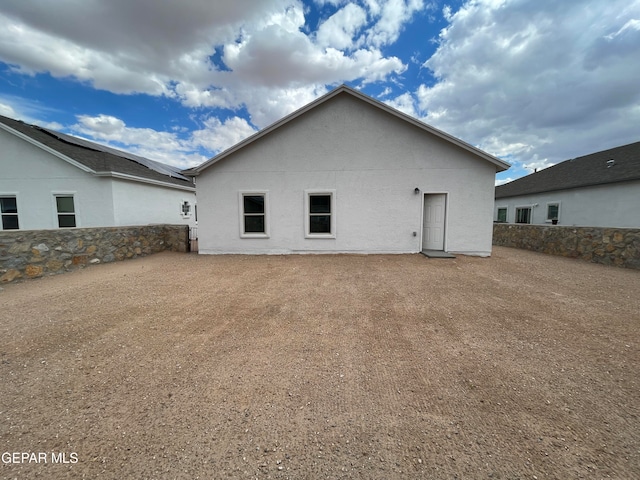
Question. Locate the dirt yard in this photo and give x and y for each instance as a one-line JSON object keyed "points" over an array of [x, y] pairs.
{"points": [[308, 367]]}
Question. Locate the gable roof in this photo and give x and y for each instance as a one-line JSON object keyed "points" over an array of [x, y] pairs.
{"points": [[97, 159], [619, 164], [344, 89]]}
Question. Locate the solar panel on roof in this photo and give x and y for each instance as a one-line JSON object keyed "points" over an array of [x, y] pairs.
{"points": [[162, 168]]}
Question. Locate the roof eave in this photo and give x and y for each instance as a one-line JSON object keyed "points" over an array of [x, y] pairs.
{"points": [[134, 178], [585, 185], [190, 172]]}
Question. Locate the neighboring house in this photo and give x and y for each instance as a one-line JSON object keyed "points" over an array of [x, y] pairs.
{"points": [[597, 190], [52, 180], [347, 173]]}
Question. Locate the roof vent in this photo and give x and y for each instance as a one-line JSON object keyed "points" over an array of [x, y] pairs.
{"points": [[611, 163]]}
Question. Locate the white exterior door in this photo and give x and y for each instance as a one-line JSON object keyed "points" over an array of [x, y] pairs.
{"points": [[433, 222]]}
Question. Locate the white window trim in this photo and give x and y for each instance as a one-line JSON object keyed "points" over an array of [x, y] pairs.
{"points": [[515, 217], [16, 196], [323, 191], [75, 208], [546, 213], [506, 217], [267, 219], [188, 215]]}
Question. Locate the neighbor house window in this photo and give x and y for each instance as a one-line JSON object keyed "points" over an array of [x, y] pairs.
{"points": [[9, 211], [553, 211], [254, 214], [66, 211], [523, 215], [502, 215], [320, 214]]}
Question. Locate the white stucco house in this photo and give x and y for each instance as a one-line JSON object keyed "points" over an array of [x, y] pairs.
{"points": [[51, 180], [597, 190], [347, 174]]}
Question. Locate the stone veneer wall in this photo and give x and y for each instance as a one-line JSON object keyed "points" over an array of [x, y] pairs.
{"points": [[610, 246], [35, 253]]}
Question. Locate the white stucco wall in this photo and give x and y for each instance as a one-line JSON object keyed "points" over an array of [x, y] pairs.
{"points": [[613, 205], [141, 204], [373, 161], [34, 176]]}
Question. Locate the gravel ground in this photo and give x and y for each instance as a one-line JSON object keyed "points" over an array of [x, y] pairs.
{"points": [[331, 366]]}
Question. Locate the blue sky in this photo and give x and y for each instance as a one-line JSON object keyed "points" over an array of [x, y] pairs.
{"points": [[533, 82]]}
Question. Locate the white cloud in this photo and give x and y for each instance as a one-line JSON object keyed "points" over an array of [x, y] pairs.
{"points": [[217, 136], [537, 165], [168, 49], [340, 29], [269, 105], [633, 24], [393, 14], [374, 6], [168, 147], [502, 181], [280, 55], [8, 111], [335, 3], [193, 96], [142, 29], [26, 110], [446, 13], [532, 81], [538, 81], [162, 146], [251, 54], [405, 103]]}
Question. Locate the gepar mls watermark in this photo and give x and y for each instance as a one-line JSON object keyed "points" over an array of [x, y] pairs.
{"points": [[40, 457]]}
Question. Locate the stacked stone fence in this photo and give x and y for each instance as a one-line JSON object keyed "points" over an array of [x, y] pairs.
{"points": [[28, 254], [609, 246]]}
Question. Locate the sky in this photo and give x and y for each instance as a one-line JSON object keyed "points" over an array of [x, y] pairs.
{"points": [[533, 82]]}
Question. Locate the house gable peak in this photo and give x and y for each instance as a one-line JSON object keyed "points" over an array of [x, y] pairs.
{"points": [[500, 165]]}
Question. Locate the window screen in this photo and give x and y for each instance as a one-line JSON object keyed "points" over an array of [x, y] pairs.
{"points": [[9, 211], [253, 213], [523, 215], [319, 213], [66, 211]]}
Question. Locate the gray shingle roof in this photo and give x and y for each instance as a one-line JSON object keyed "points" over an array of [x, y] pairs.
{"points": [[99, 158], [589, 170]]}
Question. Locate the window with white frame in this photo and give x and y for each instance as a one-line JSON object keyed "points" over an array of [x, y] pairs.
{"points": [[502, 215], [523, 214], [553, 211], [66, 211], [9, 212], [185, 209], [254, 219], [320, 214]]}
